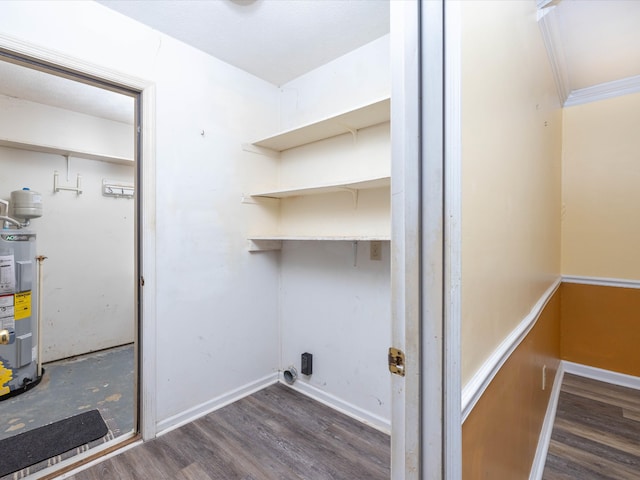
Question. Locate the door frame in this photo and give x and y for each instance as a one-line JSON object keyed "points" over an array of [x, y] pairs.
{"points": [[145, 335], [425, 239]]}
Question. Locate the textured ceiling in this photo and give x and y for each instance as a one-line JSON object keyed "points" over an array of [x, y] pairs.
{"points": [[36, 86]]}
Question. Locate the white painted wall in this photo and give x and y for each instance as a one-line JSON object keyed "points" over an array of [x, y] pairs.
{"points": [[339, 313], [511, 123], [352, 80], [33, 123], [88, 239], [216, 304]]}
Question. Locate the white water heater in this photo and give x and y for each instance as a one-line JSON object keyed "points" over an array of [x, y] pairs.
{"points": [[18, 295]]}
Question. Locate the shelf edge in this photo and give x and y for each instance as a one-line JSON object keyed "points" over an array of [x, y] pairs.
{"points": [[63, 151]]}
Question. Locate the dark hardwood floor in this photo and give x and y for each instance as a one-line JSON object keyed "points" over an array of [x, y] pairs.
{"points": [[596, 433], [275, 433]]}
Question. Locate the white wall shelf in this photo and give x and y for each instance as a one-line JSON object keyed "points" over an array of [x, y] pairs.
{"points": [[329, 238], [66, 152], [274, 242], [351, 121], [327, 188]]}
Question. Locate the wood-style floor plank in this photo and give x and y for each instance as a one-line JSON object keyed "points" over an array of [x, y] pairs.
{"points": [[274, 434], [596, 433]]}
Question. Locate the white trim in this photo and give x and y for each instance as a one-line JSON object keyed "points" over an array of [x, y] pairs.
{"points": [[474, 389], [602, 91], [406, 419], [602, 375], [431, 253], [379, 423], [453, 241], [603, 282], [599, 374], [193, 413], [147, 225], [537, 469], [64, 61], [548, 23], [147, 385]]}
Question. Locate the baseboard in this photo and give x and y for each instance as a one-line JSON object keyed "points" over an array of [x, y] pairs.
{"points": [[353, 411], [602, 375], [629, 381], [176, 421], [474, 389], [537, 469]]}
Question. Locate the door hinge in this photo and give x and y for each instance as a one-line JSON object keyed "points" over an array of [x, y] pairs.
{"points": [[396, 361], [141, 281]]}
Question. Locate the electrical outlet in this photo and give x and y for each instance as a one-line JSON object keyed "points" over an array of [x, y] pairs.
{"points": [[375, 252], [544, 377]]}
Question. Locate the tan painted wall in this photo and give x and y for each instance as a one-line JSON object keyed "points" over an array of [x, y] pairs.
{"points": [[601, 327], [601, 189], [500, 436], [511, 147]]}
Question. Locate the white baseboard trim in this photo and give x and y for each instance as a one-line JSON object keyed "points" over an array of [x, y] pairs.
{"points": [[537, 469], [353, 411], [176, 421], [474, 389], [602, 375], [603, 282], [594, 373]]}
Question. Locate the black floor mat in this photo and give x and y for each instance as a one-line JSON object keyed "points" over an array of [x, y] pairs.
{"points": [[45, 442]]}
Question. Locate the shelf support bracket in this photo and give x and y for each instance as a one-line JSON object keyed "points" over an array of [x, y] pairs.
{"points": [[267, 152], [354, 194], [57, 188], [353, 132]]}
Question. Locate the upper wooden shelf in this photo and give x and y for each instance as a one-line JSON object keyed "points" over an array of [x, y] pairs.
{"points": [[380, 182], [352, 120], [316, 238], [66, 152]]}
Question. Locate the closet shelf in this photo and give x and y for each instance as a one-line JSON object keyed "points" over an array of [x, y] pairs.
{"points": [[379, 182], [330, 238], [350, 121], [274, 242], [66, 152]]}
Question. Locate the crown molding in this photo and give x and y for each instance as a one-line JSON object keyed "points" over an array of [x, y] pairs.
{"points": [[550, 29], [603, 91], [548, 23]]}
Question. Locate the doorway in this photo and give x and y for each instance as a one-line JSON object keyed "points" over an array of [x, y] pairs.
{"points": [[73, 140]]}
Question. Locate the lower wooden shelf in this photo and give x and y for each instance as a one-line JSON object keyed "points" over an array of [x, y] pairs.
{"points": [[274, 242]]}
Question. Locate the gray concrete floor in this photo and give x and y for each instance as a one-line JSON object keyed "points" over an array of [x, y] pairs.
{"points": [[102, 380]]}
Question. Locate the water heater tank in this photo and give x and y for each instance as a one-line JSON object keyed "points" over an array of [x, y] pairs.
{"points": [[26, 204]]}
